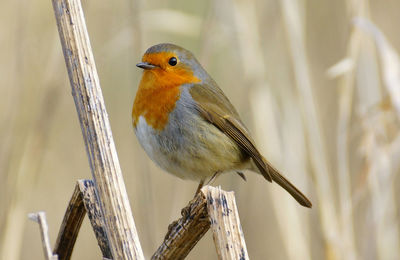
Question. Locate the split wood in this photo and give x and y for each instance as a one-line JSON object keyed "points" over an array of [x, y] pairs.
{"points": [[110, 188], [212, 207], [83, 200]]}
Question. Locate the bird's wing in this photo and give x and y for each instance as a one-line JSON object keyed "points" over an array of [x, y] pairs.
{"points": [[215, 107]]}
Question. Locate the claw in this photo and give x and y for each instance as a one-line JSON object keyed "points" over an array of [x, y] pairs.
{"points": [[241, 174]]}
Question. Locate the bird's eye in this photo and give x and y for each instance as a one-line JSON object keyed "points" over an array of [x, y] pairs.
{"points": [[173, 61]]}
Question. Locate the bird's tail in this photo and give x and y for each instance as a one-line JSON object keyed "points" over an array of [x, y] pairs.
{"points": [[289, 187]]}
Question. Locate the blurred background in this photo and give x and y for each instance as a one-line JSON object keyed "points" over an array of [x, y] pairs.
{"points": [[317, 83]]}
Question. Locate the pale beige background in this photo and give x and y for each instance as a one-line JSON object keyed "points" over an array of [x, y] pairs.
{"points": [[340, 146]]}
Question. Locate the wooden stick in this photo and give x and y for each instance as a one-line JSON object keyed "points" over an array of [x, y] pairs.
{"points": [[92, 206], [184, 233], [210, 206], [40, 217], [83, 200], [93, 118], [70, 226], [225, 224]]}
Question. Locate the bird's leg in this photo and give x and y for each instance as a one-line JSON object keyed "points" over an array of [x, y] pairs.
{"points": [[241, 174], [185, 212], [199, 187], [212, 179]]}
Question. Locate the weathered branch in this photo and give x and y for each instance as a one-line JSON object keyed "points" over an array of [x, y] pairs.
{"points": [[92, 206], [210, 206], [225, 224], [184, 233], [40, 218], [93, 118], [83, 200], [70, 226]]}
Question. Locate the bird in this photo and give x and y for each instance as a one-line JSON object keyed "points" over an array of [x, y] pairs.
{"points": [[188, 126]]}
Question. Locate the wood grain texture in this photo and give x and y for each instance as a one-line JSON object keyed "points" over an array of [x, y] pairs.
{"points": [[83, 200], [93, 118], [211, 206], [225, 224], [92, 206], [70, 226], [184, 233]]}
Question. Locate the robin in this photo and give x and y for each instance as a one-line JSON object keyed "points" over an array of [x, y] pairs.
{"points": [[187, 125]]}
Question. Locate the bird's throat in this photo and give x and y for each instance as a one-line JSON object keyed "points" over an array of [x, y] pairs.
{"points": [[157, 96]]}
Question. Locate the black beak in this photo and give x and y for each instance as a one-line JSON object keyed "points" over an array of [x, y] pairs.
{"points": [[146, 65]]}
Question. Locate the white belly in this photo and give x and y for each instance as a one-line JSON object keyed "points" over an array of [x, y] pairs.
{"points": [[190, 149]]}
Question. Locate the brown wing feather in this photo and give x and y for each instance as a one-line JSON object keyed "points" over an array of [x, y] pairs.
{"points": [[225, 117], [214, 106]]}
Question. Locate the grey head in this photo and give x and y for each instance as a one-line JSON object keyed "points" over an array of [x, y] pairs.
{"points": [[167, 55]]}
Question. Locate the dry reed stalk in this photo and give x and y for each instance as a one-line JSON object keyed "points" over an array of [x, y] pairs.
{"points": [[13, 138], [381, 175], [294, 157], [394, 151], [291, 220], [70, 226], [294, 23], [26, 171], [383, 205], [120, 226], [84, 200], [30, 107], [40, 218], [291, 223], [346, 87], [389, 58], [12, 91], [94, 213]]}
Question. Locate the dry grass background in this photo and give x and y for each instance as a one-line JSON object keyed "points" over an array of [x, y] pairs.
{"points": [[317, 82]]}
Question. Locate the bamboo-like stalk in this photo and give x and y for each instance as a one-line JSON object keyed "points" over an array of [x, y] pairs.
{"points": [[40, 218], [106, 171]]}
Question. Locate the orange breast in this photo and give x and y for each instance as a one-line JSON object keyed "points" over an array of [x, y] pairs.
{"points": [[158, 92]]}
